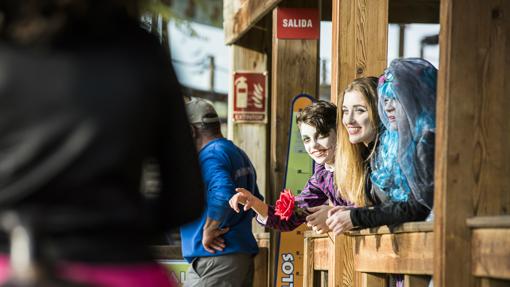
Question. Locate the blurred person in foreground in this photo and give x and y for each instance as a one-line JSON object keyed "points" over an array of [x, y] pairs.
{"points": [[86, 96]]}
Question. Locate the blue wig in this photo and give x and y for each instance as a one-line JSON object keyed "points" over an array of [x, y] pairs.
{"points": [[404, 163]]}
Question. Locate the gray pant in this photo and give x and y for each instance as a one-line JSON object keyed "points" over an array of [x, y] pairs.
{"points": [[230, 270]]}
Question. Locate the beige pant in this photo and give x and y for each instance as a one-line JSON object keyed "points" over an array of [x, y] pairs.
{"points": [[231, 270]]}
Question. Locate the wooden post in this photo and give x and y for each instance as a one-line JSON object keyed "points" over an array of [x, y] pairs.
{"points": [[250, 54], [473, 130], [294, 70], [360, 41]]}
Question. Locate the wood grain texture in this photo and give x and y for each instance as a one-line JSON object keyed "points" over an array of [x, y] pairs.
{"points": [[294, 71], [416, 281], [404, 253], [308, 261], [486, 282], [414, 11], [502, 221], [260, 275], [408, 227], [360, 41], [252, 138], [241, 15], [373, 280], [342, 272], [473, 131], [323, 250], [491, 253]]}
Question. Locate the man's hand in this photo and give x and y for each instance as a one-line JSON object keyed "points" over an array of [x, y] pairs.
{"points": [[317, 220], [339, 219], [212, 240], [211, 236]]}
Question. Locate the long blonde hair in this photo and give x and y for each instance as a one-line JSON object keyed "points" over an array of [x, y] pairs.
{"points": [[351, 159]]}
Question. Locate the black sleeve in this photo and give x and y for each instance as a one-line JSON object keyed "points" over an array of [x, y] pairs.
{"points": [[389, 213]]}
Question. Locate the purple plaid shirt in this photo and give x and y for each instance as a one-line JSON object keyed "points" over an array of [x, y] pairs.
{"points": [[318, 190]]}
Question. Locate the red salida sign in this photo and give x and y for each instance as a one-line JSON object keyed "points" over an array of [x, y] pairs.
{"points": [[297, 23], [250, 97]]}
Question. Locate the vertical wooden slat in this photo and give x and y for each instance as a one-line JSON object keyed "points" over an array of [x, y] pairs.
{"points": [[374, 280], [416, 281], [471, 176], [360, 41], [341, 261], [308, 275]]}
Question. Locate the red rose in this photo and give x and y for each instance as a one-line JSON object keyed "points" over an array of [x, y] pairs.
{"points": [[285, 205]]}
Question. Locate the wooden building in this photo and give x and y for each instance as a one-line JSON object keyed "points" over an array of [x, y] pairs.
{"points": [[468, 244]]}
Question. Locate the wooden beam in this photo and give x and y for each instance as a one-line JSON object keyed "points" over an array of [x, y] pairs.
{"points": [[489, 221], [360, 41], [491, 253], [403, 253], [486, 282], [409, 227], [241, 15], [471, 176], [414, 11]]}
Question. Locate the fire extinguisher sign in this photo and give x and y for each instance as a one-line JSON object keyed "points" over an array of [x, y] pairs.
{"points": [[250, 97]]}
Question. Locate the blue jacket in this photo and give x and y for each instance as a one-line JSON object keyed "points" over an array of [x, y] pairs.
{"points": [[224, 168]]}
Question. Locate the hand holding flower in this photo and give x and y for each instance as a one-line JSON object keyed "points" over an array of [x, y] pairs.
{"points": [[286, 205]]}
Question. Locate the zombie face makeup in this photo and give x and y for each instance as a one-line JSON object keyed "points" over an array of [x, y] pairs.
{"points": [[355, 118], [321, 148], [390, 108]]}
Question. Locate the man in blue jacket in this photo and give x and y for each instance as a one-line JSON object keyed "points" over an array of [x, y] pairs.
{"points": [[220, 245]]}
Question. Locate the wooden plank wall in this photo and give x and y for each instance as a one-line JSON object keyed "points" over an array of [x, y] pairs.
{"points": [[360, 41], [294, 71], [252, 138], [473, 130]]}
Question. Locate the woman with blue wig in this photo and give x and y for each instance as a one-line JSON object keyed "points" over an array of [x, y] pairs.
{"points": [[402, 171]]}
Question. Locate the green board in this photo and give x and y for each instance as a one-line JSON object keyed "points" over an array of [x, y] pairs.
{"points": [[289, 261]]}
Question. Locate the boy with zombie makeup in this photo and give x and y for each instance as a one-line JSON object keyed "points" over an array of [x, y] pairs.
{"points": [[317, 124]]}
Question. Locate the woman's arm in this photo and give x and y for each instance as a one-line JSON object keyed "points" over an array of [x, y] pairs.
{"points": [[389, 213]]}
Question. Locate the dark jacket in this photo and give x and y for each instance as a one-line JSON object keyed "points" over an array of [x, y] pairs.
{"points": [[78, 119]]}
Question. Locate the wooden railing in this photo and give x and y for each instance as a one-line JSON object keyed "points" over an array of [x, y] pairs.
{"points": [[367, 257], [490, 249]]}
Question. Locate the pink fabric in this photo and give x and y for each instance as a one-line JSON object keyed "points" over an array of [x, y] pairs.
{"points": [[4, 269], [153, 275]]}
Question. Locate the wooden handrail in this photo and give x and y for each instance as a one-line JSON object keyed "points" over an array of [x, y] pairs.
{"points": [[502, 221]]}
